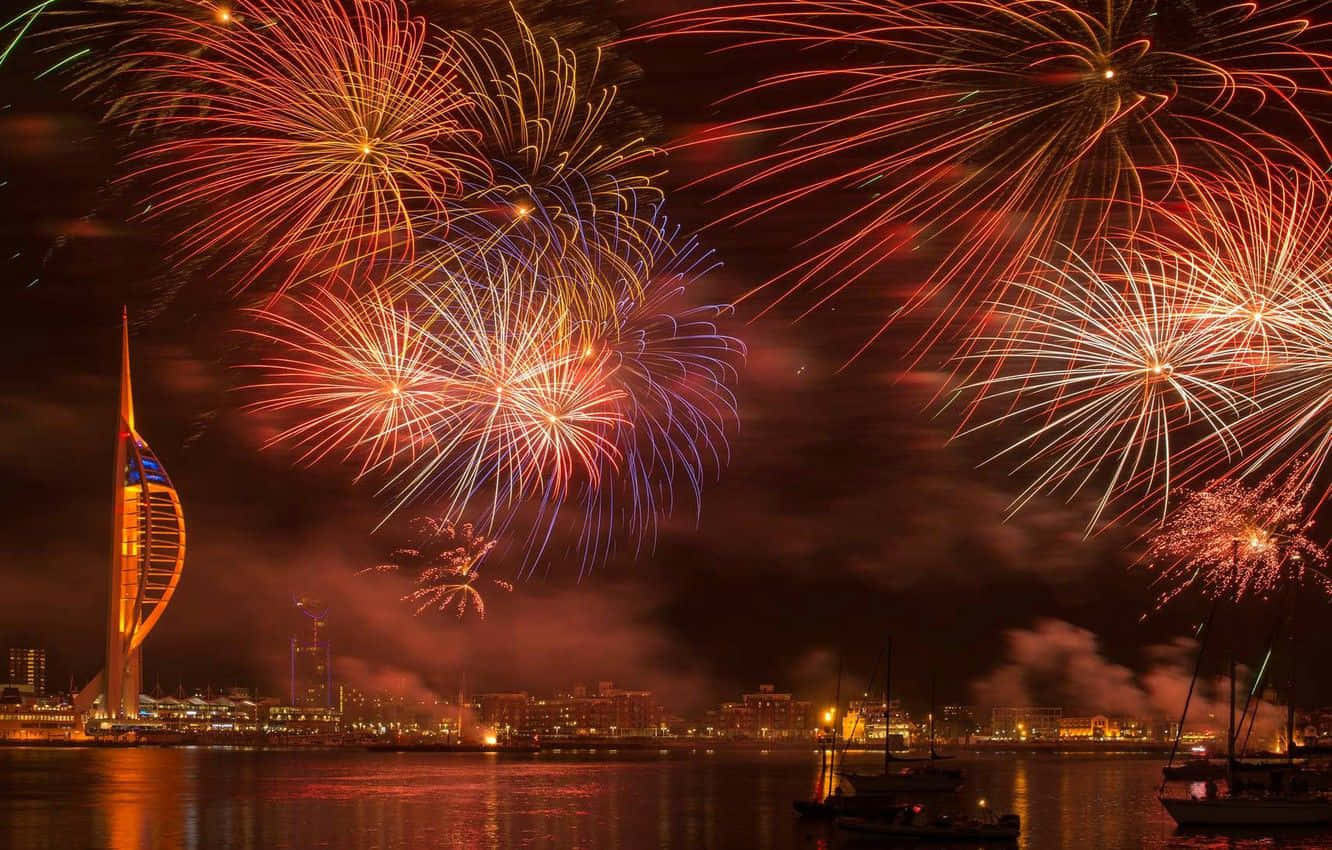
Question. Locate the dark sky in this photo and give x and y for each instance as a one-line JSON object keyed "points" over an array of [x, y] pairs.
{"points": [[843, 517]]}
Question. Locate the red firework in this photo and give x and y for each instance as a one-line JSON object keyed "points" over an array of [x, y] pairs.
{"points": [[306, 131], [984, 133], [1230, 539]]}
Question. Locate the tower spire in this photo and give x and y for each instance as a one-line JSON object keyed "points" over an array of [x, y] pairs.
{"points": [[126, 390], [147, 555]]}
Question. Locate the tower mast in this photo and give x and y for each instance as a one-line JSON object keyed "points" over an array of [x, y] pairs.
{"points": [[147, 556], [121, 696]]}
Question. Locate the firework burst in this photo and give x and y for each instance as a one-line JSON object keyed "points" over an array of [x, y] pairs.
{"points": [[314, 130], [998, 129], [1232, 540], [358, 371], [1118, 368], [1289, 432], [447, 564], [565, 183], [533, 409], [1256, 248]]}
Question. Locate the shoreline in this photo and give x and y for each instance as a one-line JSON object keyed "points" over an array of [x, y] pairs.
{"points": [[608, 745]]}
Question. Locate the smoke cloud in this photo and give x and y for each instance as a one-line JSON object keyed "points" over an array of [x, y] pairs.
{"points": [[1056, 663]]}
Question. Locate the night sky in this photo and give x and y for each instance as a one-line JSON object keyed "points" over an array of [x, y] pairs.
{"points": [[845, 514]]}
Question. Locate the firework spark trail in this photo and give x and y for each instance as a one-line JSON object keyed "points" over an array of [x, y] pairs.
{"points": [[999, 128], [117, 47], [676, 370], [319, 133], [1118, 368], [20, 24], [1232, 540], [447, 562], [1256, 246]]}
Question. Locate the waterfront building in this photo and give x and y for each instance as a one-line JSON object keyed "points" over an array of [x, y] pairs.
{"points": [[766, 714], [627, 713], [863, 723], [1096, 727], [27, 666], [505, 714], [302, 720], [1025, 723], [956, 723], [382, 713], [147, 556], [197, 714], [39, 721], [608, 712]]}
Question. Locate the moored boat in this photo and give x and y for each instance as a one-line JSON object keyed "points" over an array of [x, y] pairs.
{"points": [[1249, 811], [916, 775], [907, 779]]}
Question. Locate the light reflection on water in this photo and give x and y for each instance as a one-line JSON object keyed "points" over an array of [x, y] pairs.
{"points": [[148, 798]]}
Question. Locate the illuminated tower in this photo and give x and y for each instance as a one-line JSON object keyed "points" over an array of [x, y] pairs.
{"points": [[147, 555], [311, 670]]}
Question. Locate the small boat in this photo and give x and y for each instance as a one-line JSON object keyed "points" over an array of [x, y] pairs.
{"points": [[1284, 799], [1249, 811], [922, 776], [912, 823]]}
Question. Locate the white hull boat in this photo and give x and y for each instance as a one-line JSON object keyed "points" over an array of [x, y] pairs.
{"points": [[1249, 811]]}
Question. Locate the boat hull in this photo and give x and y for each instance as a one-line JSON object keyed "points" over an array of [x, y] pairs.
{"points": [[938, 781], [1239, 811]]}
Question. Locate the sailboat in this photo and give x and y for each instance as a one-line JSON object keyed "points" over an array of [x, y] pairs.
{"points": [[902, 775], [1283, 806]]}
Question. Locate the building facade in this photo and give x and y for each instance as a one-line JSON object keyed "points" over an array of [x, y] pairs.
{"points": [[27, 666], [1025, 723], [606, 712], [765, 714], [957, 723], [864, 723]]}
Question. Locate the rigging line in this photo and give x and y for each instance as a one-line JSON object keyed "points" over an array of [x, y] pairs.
{"points": [[1197, 665]]}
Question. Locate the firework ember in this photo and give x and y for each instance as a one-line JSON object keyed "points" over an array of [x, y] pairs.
{"points": [[447, 562], [1232, 540]]}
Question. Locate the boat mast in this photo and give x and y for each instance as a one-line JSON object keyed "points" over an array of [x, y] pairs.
{"points": [[887, 705], [933, 755], [1230, 734], [1290, 682], [837, 709]]}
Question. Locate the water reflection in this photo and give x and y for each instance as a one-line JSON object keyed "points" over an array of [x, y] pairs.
{"points": [[145, 798]]}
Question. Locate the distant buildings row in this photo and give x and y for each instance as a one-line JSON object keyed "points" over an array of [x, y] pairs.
{"points": [[315, 706]]}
